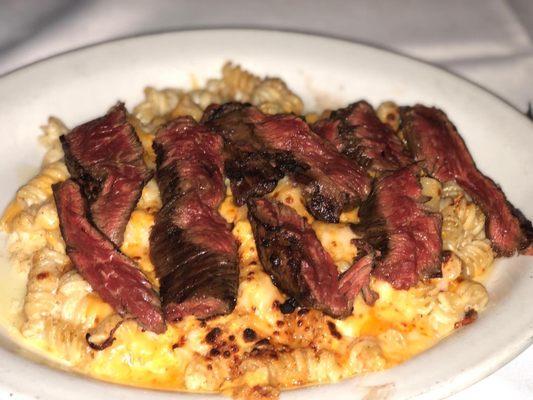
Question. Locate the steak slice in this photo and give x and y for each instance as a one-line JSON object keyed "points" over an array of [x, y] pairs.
{"points": [[332, 182], [191, 245], [357, 132], [235, 123], [105, 157], [189, 159], [254, 174], [195, 256], [109, 272], [396, 224], [253, 171], [435, 142], [298, 264]]}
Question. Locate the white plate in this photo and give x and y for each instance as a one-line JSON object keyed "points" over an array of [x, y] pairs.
{"points": [[82, 84]]}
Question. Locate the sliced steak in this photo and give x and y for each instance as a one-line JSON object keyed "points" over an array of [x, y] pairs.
{"points": [[109, 272], [396, 224], [435, 142], [106, 157], [189, 159], [194, 253], [191, 245], [298, 264], [332, 182], [357, 132], [235, 123], [393, 221], [254, 174], [253, 170]]}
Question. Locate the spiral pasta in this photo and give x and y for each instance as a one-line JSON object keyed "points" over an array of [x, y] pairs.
{"points": [[31, 219], [298, 365], [187, 106], [451, 306], [39, 189], [431, 188], [477, 257], [50, 139], [60, 307], [77, 302], [157, 103], [389, 113], [65, 340], [463, 226], [43, 282], [199, 377], [308, 365], [272, 96], [463, 230], [237, 83]]}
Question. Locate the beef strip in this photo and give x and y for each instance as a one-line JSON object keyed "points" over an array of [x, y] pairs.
{"points": [[253, 171], [191, 245], [395, 223], [435, 142], [189, 159], [194, 254], [297, 262], [105, 157], [393, 220], [332, 182], [235, 123], [261, 149], [110, 273], [254, 174], [357, 132]]}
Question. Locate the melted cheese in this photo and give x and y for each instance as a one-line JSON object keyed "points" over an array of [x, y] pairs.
{"points": [[337, 239], [315, 348]]}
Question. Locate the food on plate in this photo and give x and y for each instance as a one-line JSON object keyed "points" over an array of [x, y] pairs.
{"points": [[225, 239], [105, 155], [252, 169], [434, 141], [331, 183], [358, 132], [407, 236], [293, 256], [110, 273]]}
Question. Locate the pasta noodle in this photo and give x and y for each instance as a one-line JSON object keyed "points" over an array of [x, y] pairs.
{"points": [[463, 230], [157, 103], [43, 282], [273, 97], [32, 218], [68, 341], [50, 139], [39, 189], [463, 226], [237, 83], [389, 113]]}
